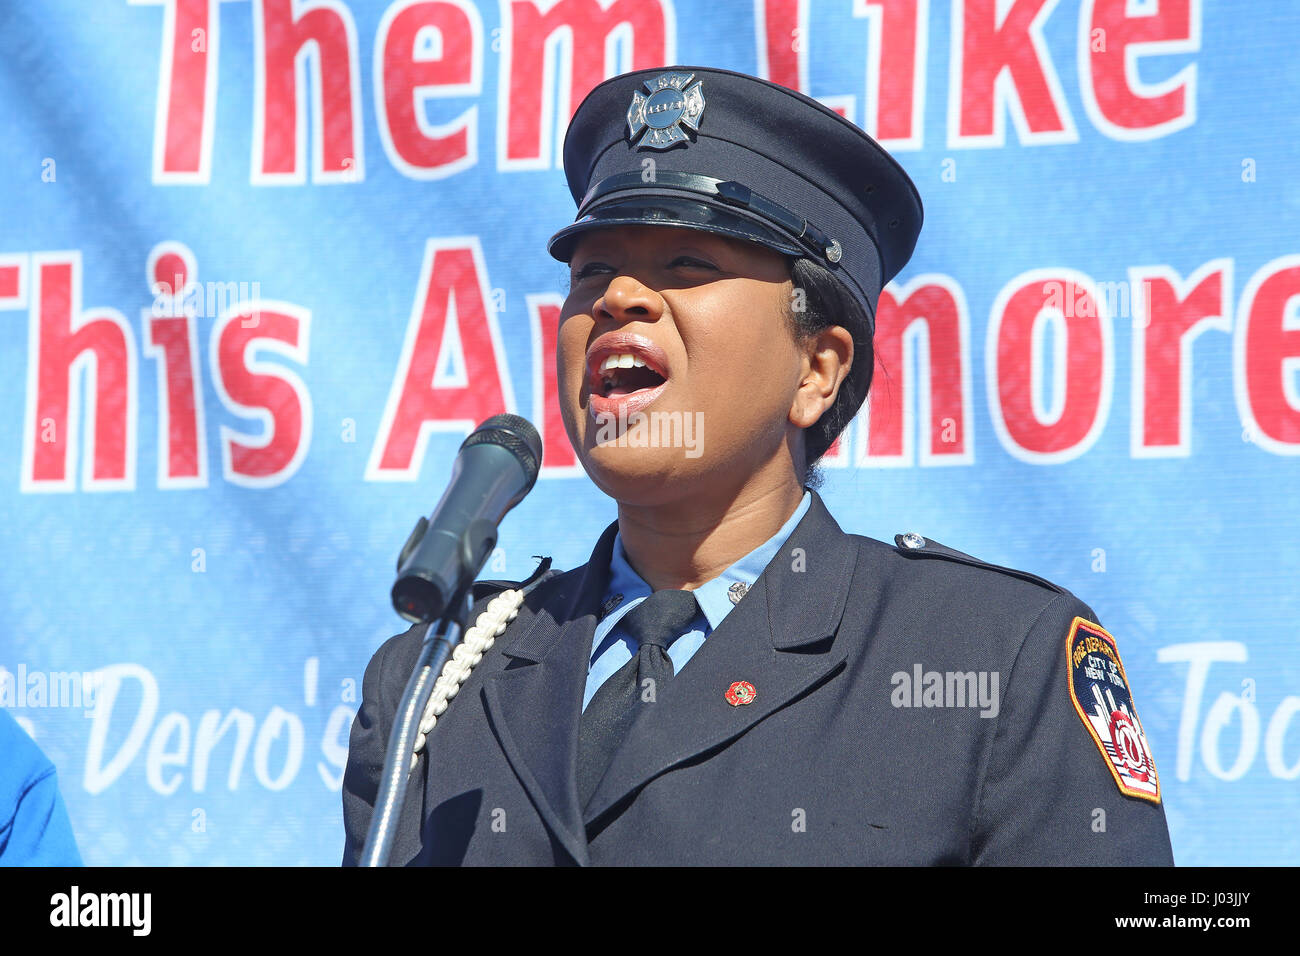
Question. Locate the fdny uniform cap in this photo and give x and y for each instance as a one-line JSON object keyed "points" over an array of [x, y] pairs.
{"points": [[746, 158]]}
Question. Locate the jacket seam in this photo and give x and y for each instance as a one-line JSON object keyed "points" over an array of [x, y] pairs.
{"points": [[383, 702], [978, 807], [973, 562]]}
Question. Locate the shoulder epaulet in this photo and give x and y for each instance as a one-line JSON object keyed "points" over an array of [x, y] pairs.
{"points": [[482, 589], [914, 545]]}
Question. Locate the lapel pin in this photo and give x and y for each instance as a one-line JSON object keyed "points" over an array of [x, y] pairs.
{"points": [[741, 692], [737, 591], [613, 602]]}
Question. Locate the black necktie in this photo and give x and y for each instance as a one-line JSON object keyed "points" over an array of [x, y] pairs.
{"points": [[654, 623]]}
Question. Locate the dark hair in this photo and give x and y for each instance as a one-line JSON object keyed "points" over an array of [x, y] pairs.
{"points": [[818, 301]]}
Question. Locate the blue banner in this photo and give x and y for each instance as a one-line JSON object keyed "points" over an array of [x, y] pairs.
{"points": [[265, 263]]}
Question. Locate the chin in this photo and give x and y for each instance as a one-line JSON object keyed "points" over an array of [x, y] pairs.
{"points": [[644, 465], [641, 476]]}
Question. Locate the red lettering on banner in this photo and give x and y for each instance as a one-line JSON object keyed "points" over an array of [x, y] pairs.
{"points": [[1110, 44], [781, 29], [1266, 356], [171, 339], [985, 48], [171, 272], [13, 295], [427, 50], [13, 281], [62, 343], [782, 34], [321, 33], [450, 324], [187, 91], [1169, 313], [559, 460], [896, 61], [433, 49], [269, 392], [1082, 368], [529, 124], [931, 325], [182, 453]]}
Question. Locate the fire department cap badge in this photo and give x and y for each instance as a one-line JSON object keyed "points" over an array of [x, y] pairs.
{"points": [[670, 101], [1100, 692]]}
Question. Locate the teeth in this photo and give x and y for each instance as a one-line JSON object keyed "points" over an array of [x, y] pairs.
{"points": [[622, 360]]}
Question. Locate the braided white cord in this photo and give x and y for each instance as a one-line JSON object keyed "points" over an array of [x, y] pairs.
{"points": [[501, 610]]}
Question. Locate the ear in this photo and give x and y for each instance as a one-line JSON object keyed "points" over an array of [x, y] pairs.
{"points": [[828, 355]]}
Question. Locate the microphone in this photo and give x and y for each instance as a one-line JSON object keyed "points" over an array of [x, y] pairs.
{"points": [[495, 468]]}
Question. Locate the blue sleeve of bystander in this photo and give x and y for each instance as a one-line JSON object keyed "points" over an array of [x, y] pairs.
{"points": [[34, 825]]}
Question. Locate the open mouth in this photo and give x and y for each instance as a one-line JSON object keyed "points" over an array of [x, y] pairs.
{"points": [[624, 374]]}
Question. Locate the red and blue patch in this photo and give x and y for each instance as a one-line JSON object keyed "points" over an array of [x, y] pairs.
{"points": [[1100, 692]]}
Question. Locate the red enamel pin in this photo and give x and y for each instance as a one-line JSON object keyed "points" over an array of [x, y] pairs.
{"points": [[741, 692]]}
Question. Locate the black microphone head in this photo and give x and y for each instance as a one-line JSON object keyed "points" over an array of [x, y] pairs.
{"points": [[517, 435]]}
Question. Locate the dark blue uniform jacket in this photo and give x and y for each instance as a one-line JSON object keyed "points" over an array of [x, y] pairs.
{"points": [[826, 765]]}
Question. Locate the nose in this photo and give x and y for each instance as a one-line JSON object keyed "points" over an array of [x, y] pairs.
{"points": [[626, 299]]}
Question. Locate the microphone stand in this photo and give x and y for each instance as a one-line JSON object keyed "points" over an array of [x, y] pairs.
{"points": [[437, 647], [442, 557]]}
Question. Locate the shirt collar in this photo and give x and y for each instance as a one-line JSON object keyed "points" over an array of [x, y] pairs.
{"points": [[714, 596]]}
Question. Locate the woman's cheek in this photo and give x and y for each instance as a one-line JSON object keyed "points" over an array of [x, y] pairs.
{"points": [[569, 369]]}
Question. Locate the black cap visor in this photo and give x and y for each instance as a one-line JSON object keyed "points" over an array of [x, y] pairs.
{"points": [[672, 211]]}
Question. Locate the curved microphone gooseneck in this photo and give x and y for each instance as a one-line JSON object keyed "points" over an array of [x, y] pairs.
{"points": [[496, 467]]}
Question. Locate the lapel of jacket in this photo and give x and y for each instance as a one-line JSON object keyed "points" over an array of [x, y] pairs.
{"points": [[770, 639], [536, 703]]}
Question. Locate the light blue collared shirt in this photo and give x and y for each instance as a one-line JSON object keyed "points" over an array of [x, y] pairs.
{"points": [[612, 646]]}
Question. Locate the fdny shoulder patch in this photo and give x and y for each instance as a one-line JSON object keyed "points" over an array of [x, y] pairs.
{"points": [[1100, 692]]}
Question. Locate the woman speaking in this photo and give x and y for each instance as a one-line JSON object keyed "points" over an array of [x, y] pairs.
{"points": [[731, 679]]}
